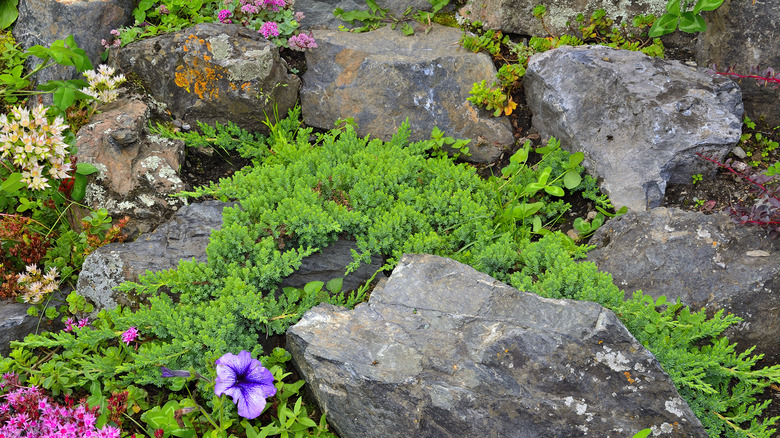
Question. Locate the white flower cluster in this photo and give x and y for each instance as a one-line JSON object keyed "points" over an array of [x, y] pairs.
{"points": [[36, 285], [103, 83], [34, 145]]}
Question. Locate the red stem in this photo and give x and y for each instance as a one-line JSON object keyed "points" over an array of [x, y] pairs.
{"points": [[756, 77], [735, 172]]}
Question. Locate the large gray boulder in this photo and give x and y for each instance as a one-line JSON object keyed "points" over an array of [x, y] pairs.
{"points": [[737, 37], [639, 120], [42, 22], [137, 172], [319, 13], [443, 350], [706, 261], [214, 72], [383, 77], [515, 16]]}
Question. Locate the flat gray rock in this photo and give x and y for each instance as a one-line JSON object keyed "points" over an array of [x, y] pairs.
{"points": [[443, 350], [383, 77], [706, 261], [184, 237], [639, 120]]}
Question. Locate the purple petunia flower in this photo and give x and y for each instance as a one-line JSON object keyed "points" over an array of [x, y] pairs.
{"points": [[244, 379]]}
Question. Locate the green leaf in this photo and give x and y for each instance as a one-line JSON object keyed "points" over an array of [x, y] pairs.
{"points": [[692, 23], [673, 7], [86, 169], [525, 210], [64, 97], [335, 285], [571, 179], [79, 187], [12, 184], [554, 190], [644, 433], [666, 24], [575, 159], [313, 287], [707, 5], [407, 29], [8, 13]]}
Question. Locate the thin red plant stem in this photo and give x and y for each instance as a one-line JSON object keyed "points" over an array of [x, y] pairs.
{"points": [[756, 77], [735, 172]]}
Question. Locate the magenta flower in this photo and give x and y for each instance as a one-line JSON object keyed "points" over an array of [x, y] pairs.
{"points": [[246, 380], [275, 5], [269, 29], [130, 335], [83, 322], [68, 325], [301, 42], [224, 16]]}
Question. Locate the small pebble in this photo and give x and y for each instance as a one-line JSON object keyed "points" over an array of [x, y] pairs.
{"points": [[186, 127], [739, 152], [177, 123]]}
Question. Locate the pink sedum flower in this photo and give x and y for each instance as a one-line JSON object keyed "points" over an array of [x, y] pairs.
{"points": [[301, 42], [130, 335], [269, 29], [224, 16]]}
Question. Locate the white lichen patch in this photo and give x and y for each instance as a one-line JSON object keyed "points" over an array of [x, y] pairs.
{"points": [[146, 199], [675, 406], [125, 205], [614, 360], [102, 171], [664, 429]]}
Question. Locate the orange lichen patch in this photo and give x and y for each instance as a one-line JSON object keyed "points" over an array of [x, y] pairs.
{"points": [[206, 57], [628, 376], [199, 78], [350, 61]]}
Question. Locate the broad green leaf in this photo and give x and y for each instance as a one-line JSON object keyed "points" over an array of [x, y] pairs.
{"points": [[8, 13], [644, 433], [673, 7], [335, 285], [86, 168], [571, 179], [79, 187], [554, 190], [524, 210], [313, 287], [707, 5], [12, 184], [575, 159], [692, 23], [666, 24]]}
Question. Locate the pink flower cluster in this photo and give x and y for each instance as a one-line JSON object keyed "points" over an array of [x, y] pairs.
{"points": [[224, 16], [27, 412], [69, 324], [129, 335], [301, 42], [115, 44], [269, 29]]}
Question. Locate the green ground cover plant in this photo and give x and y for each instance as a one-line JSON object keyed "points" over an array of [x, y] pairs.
{"points": [[391, 197]]}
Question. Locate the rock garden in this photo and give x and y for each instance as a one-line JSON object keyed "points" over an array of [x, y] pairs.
{"points": [[257, 218]]}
